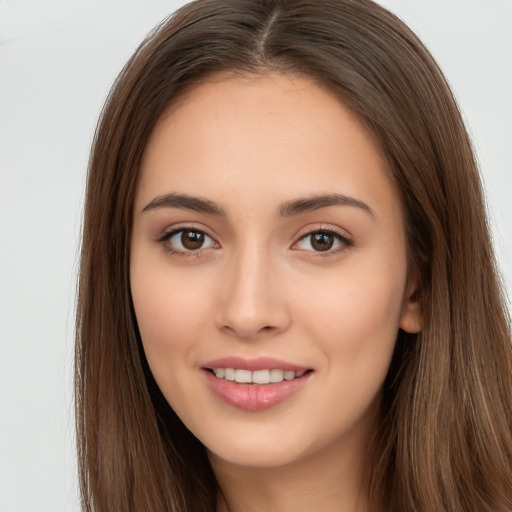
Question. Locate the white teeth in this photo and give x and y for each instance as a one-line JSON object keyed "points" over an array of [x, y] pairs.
{"points": [[243, 376], [261, 376], [276, 375], [256, 377], [229, 374]]}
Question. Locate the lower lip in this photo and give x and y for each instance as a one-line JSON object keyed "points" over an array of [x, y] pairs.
{"points": [[254, 397]]}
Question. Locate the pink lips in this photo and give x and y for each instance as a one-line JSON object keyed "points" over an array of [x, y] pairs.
{"points": [[254, 397]]}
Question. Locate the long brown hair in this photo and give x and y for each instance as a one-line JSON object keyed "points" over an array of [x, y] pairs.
{"points": [[445, 440]]}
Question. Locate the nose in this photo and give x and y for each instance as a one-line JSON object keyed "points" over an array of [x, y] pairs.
{"points": [[253, 301]]}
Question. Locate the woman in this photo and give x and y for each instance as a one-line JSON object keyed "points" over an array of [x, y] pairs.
{"points": [[288, 297]]}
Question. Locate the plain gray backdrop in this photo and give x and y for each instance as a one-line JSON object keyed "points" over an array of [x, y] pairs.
{"points": [[57, 61]]}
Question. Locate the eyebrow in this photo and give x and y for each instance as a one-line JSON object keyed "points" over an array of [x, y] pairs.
{"points": [[287, 209], [313, 203], [185, 202]]}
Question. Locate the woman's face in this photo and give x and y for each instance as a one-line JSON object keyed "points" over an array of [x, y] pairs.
{"points": [[268, 244]]}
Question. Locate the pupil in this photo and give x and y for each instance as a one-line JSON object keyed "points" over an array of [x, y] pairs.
{"points": [[192, 240], [322, 241]]}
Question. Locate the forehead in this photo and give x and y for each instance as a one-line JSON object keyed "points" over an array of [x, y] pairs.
{"points": [[277, 135]]}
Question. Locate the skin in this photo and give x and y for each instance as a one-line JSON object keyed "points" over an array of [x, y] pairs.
{"points": [[258, 287]]}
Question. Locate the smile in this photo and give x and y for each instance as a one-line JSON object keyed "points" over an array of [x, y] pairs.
{"points": [[258, 388], [266, 376]]}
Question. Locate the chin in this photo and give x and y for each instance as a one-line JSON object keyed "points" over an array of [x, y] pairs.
{"points": [[256, 455]]}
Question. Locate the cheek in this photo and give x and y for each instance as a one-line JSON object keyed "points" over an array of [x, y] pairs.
{"points": [[172, 315], [355, 321], [355, 327]]}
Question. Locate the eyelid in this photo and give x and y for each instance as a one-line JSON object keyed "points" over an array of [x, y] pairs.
{"points": [[341, 235], [176, 229]]}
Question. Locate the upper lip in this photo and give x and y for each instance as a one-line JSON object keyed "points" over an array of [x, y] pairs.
{"points": [[254, 364]]}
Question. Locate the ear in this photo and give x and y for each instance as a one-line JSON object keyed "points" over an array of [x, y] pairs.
{"points": [[411, 320]]}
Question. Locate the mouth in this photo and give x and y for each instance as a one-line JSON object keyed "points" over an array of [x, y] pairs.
{"points": [[257, 384], [258, 377]]}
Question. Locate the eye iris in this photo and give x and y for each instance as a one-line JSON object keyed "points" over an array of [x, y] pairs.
{"points": [[192, 240], [322, 241]]}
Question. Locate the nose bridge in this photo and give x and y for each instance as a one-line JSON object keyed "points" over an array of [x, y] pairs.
{"points": [[252, 302]]}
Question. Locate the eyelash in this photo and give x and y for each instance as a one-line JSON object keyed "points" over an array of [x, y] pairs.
{"points": [[164, 239], [344, 241]]}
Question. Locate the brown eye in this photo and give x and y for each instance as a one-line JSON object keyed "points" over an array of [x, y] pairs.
{"points": [[322, 241], [192, 240], [187, 240]]}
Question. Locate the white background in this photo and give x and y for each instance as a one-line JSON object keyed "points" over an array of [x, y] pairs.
{"points": [[57, 61]]}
